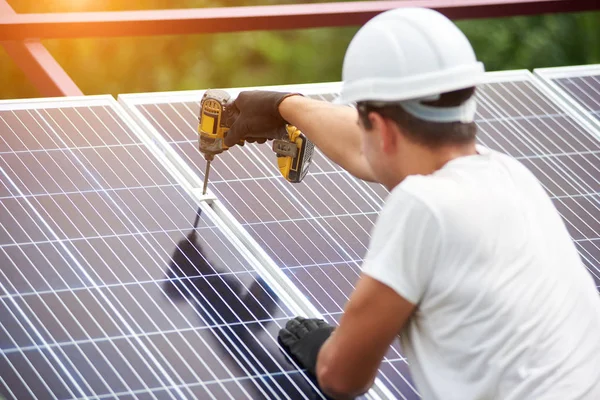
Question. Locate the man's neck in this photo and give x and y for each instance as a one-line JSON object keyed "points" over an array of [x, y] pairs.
{"points": [[420, 160]]}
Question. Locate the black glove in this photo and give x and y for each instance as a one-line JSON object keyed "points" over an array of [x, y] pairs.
{"points": [[303, 338], [259, 118]]}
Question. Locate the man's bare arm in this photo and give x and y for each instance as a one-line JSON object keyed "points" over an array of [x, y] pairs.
{"points": [[373, 317], [333, 129]]}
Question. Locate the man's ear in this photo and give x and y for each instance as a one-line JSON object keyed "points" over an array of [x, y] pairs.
{"points": [[386, 132]]}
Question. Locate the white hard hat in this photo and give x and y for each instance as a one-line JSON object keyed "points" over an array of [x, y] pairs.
{"points": [[410, 54]]}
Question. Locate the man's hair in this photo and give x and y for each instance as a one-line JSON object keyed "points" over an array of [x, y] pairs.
{"points": [[430, 134]]}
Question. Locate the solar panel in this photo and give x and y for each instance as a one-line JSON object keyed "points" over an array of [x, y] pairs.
{"points": [[578, 85], [112, 284], [318, 231], [308, 234]]}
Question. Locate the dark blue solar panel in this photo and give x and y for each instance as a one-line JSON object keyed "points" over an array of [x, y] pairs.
{"points": [[109, 288]]}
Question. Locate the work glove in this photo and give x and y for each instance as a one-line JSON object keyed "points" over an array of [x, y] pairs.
{"points": [[259, 119], [302, 338]]}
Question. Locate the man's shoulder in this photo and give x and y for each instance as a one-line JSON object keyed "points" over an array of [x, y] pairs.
{"points": [[428, 193], [457, 191], [465, 178]]}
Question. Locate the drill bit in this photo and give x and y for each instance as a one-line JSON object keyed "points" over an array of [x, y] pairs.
{"points": [[206, 172]]}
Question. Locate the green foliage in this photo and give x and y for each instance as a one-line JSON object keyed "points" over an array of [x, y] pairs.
{"points": [[164, 63], [535, 42]]}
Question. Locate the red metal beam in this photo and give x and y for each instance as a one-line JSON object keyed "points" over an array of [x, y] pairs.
{"points": [[39, 66], [230, 19]]}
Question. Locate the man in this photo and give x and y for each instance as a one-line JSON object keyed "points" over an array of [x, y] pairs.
{"points": [[469, 262]]}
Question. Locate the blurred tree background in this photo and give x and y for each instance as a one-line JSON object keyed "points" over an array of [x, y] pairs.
{"points": [[168, 63]]}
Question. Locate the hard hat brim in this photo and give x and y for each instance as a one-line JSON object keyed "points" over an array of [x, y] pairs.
{"points": [[410, 88]]}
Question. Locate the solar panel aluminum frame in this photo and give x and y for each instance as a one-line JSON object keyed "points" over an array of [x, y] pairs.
{"points": [[547, 77], [284, 289]]}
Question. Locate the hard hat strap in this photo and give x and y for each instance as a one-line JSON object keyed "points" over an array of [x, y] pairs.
{"points": [[464, 113]]}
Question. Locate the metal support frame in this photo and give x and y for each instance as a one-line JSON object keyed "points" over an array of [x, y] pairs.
{"points": [[20, 33], [236, 19], [46, 74], [547, 77]]}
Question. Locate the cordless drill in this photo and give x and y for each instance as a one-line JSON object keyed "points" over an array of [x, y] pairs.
{"points": [[217, 114]]}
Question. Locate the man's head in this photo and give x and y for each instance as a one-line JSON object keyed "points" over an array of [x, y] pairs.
{"points": [[432, 134], [413, 73], [398, 143]]}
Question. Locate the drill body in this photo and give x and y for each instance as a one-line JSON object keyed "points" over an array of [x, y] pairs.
{"points": [[216, 116]]}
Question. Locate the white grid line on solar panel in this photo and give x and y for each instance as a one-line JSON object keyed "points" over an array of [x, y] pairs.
{"points": [[94, 191], [401, 368], [29, 269], [533, 143], [81, 341], [255, 312], [6, 357], [63, 121], [594, 166], [114, 146], [206, 388], [235, 388]]}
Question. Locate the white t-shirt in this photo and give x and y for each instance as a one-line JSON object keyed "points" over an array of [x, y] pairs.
{"points": [[505, 307]]}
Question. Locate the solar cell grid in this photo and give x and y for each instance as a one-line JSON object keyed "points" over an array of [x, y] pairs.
{"points": [[105, 289], [318, 231], [560, 153]]}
